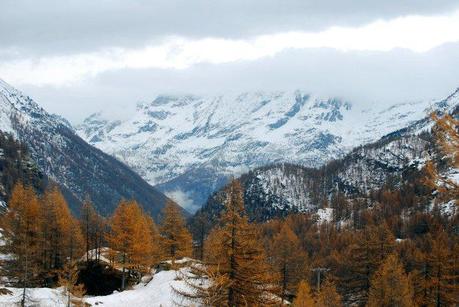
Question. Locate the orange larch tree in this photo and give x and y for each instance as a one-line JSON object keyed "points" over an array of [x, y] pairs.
{"points": [[328, 296], [304, 296], [22, 236], [175, 239], [61, 235], [235, 262], [130, 236], [446, 132], [288, 260], [390, 285]]}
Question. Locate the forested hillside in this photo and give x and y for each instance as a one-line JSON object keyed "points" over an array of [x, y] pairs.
{"points": [[17, 165], [397, 243]]}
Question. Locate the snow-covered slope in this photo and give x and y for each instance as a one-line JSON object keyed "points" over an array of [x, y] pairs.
{"points": [[281, 189], [157, 292], [182, 143], [17, 109], [65, 158]]}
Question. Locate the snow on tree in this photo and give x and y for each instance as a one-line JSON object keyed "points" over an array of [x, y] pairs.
{"points": [[446, 132]]}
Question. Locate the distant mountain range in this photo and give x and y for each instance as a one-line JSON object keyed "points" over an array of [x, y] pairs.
{"points": [[62, 156], [188, 146]]}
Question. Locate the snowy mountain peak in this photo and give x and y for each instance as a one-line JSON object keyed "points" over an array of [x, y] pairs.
{"points": [[18, 107], [4, 85], [184, 142]]}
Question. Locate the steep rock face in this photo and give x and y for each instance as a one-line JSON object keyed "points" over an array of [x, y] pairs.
{"points": [[185, 143], [67, 159]]}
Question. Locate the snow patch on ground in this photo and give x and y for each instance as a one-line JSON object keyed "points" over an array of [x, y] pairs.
{"points": [[325, 215], [454, 175], [92, 254], [449, 208], [42, 297], [158, 292], [155, 293]]}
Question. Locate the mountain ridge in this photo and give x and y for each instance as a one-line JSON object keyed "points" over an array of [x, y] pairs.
{"points": [[172, 139]]}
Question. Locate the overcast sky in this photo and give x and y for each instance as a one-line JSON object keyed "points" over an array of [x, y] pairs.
{"points": [[78, 57]]}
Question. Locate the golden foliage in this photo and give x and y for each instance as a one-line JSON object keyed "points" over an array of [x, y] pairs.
{"points": [[328, 296], [288, 259], [236, 266], [303, 296], [62, 238], [446, 131], [68, 279], [131, 236], [390, 285], [175, 238], [21, 234]]}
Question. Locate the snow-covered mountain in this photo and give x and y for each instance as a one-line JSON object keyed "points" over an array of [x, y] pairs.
{"points": [[395, 161], [79, 168], [188, 146]]}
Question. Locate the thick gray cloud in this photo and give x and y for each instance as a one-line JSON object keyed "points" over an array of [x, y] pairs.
{"points": [[36, 28], [32, 30], [362, 77]]}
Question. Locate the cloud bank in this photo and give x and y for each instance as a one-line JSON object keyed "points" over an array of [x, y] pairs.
{"points": [[77, 57]]}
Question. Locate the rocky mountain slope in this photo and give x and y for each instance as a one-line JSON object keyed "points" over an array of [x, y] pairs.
{"points": [[64, 157], [281, 189], [188, 146]]}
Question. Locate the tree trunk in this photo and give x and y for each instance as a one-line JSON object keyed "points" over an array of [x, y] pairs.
{"points": [[25, 271], [231, 299], [124, 273]]}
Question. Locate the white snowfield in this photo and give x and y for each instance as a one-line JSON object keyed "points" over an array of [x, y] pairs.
{"points": [[155, 293], [172, 134], [453, 175], [42, 297], [154, 290]]}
